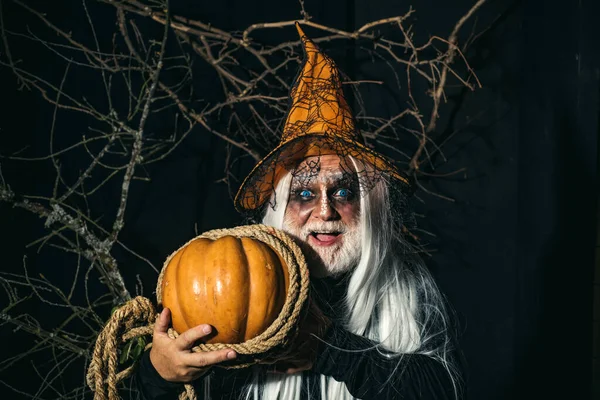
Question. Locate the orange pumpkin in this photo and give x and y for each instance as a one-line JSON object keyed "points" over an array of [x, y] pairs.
{"points": [[237, 285]]}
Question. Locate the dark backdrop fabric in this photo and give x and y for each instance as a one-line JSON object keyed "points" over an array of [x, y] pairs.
{"points": [[514, 251]]}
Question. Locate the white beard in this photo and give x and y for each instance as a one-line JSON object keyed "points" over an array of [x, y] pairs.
{"points": [[332, 260]]}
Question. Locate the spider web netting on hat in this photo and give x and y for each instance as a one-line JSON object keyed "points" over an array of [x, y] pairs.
{"points": [[320, 123]]}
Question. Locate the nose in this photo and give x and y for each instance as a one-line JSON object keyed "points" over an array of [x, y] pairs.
{"points": [[326, 212]]}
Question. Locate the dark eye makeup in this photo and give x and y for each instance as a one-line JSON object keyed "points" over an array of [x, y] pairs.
{"points": [[339, 193]]}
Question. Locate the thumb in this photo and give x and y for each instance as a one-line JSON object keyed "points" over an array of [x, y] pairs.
{"points": [[161, 326]]}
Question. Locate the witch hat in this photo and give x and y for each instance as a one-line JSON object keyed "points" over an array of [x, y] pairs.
{"points": [[319, 122]]}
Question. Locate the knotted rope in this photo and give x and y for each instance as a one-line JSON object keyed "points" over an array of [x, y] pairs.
{"points": [[124, 324]]}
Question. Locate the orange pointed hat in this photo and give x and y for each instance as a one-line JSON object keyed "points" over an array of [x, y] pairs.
{"points": [[319, 122]]}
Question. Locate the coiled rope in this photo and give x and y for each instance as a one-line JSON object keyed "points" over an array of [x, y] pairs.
{"points": [[127, 322]]}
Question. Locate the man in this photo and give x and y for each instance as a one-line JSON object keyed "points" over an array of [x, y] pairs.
{"points": [[378, 326]]}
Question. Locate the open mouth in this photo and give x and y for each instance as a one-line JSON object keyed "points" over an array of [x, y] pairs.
{"points": [[324, 238]]}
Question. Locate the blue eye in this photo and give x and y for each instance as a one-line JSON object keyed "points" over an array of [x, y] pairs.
{"points": [[305, 194], [343, 193]]}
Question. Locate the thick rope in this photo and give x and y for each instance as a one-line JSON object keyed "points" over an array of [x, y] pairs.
{"points": [[124, 323], [102, 371]]}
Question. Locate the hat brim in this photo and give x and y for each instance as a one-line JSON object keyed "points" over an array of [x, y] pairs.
{"points": [[260, 183]]}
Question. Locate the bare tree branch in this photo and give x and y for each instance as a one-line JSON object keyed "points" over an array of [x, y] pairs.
{"points": [[148, 72]]}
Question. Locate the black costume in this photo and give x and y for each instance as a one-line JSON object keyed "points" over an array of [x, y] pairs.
{"points": [[367, 373]]}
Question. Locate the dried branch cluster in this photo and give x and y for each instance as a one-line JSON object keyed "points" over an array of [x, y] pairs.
{"points": [[148, 72]]}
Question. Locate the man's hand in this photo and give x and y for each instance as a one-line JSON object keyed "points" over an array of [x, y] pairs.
{"points": [[302, 353], [174, 360]]}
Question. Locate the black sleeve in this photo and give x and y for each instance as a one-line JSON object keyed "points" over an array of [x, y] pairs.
{"points": [[370, 375], [224, 383], [151, 385]]}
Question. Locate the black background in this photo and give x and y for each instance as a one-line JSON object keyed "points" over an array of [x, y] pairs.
{"points": [[515, 251]]}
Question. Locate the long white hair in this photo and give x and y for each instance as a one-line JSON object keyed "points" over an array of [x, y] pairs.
{"points": [[391, 298]]}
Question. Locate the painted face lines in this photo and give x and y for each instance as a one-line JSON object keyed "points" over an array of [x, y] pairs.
{"points": [[323, 211]]}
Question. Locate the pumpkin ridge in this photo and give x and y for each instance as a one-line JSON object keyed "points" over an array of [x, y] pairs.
{"points": [[233, 275], [210, 281], [241, 243], [265, 307], [274, 289], [250, 248], [171, 295], [181, 277], [283, 284], [175, 296]]}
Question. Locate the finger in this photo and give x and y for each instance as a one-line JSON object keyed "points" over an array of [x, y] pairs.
{"points": [[186, 340], [280, 368], [205, 359], [275, 372], [163, 321], [295, 370]]}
